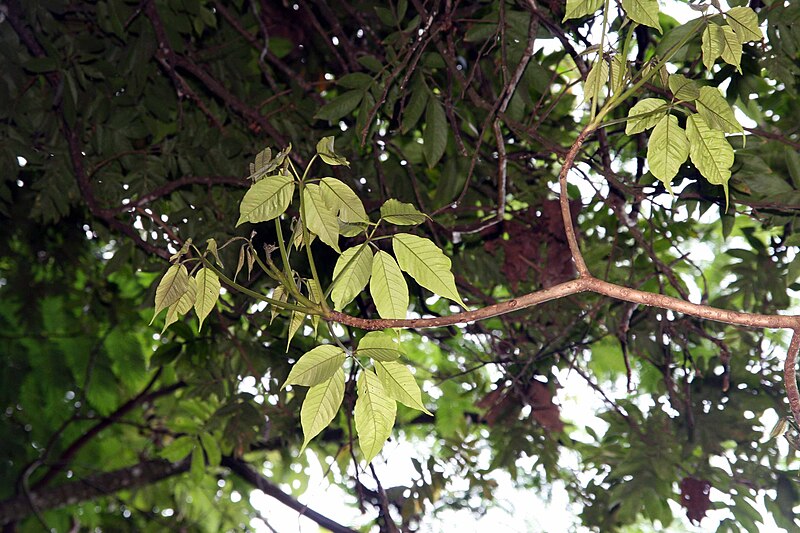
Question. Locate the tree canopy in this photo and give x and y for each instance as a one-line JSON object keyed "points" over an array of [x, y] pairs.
{"points": [[239, 237]]}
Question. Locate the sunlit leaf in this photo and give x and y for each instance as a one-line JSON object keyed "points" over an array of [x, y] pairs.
{"points": [[400, 383], [320, 217], [388, 287], [207, 293], [645, 115], [744, 22], [182, 306], [211, 448], [343, 201], [374, 414], [379, 346], [713, 107], [710, 152], [579, 8], [596, 80], [351, 274], [402, 214], [712, 44], [683, 88], [266, 199], [178, 449], [731, 48], [643, 11], [316, 366], [328, 154], [170, 289], [667, 149], [427, 264], [321, 405]]}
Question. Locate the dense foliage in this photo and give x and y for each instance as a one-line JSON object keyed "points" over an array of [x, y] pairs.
{"points": [[128, 128]]}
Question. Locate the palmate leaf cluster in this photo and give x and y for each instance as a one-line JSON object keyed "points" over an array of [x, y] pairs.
{"points": [[127, 130]]}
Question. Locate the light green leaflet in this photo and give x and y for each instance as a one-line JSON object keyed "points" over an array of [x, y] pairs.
{"points": [[316, 366], [619, 73], [321, 219], [343, 201], [712, 44], [399, 382], [207, 293], [426, 264], [379, 346], [713, 107], [278, 293], [212, 449], [667, 149], [327, 153], [212, 249], [402, 214], [645, 114], [171, 287], [643, 11], [744, 22], [178, 449], [388, 287], [710, 152], [295, 321], [683, 88], [731, 48], [316, 295], [374, 414], [436, 132], [266, 199], [321, 405], [580, 8], [182, 306], [596, 80], [351, 274]]}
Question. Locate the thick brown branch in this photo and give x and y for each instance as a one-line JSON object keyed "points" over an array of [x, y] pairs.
{"points": [[566, 215], [790, 377]]}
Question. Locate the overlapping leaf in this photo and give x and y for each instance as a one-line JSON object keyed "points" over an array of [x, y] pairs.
{"points": [[643, 11], [667, 149], [388, 287], [436, 131], [320, 217], [580, 8], [710, 152], [171, 287], [374, 415], [343, 201], [351, 274], [207, 293], [316, 366], [712, 44], [400, 383], [744, 22], [645, 115], [596, 80], [266, 199], [427, 264], [713, 107], [379, 346], [320, 406], [396, 212]]}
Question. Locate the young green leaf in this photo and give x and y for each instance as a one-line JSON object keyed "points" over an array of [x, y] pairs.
{"points": [[388, 287], [713, 107], [178, 449], [427, 264], [643, 11], [645, 114], [619, 73], [180, 253], [211, 247], [316, 366], [374, 415], [731, 48], [580, 8], [321, 219], [342, 105], [207, 293], [182, 306], [683, 88], [351, 274], [379, 346], [596, 80], [170, 289], [278, 293], [744, 22], [712, 44], [343, 201], [710, 152], [197, 466], [316, 295], [396, 212], [212, 449], [436, 131], [266, 199], [327, 153], [320, 406], [399, 382], [295, 321], [667, 150]]}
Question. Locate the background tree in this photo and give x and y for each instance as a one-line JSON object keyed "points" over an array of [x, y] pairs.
{"points": [[128, 127]]}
